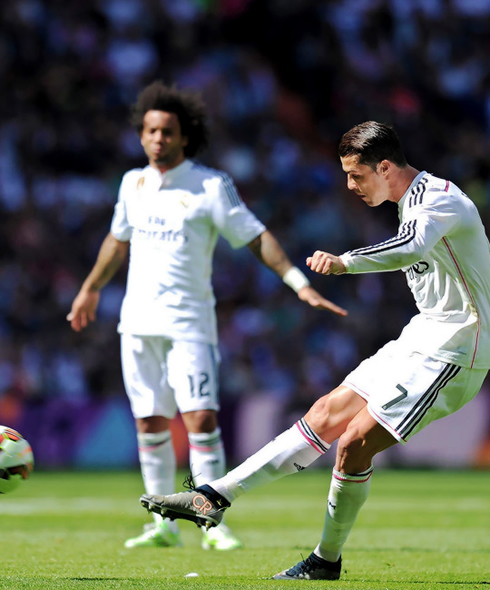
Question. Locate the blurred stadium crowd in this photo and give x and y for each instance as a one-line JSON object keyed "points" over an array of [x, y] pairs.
{"points": [[283, 79]]}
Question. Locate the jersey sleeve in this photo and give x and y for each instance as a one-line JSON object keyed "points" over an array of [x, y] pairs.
{"points": [[120, 227], [422, 228], [234, 221]]}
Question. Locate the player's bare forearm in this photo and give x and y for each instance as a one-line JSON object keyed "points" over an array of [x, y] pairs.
{"points": [[268, 250], [325, 263], [111, 255]]}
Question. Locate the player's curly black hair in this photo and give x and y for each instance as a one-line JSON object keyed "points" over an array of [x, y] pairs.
{"points": [[372, 142], [186, 104]]}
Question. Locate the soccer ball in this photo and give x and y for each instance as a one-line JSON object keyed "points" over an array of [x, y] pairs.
{"points": [[16, 459]]}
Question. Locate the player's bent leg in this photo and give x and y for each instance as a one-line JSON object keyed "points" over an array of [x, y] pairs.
{"points": [[330, 415], [351, 480], [363, 438], [292, 451]]}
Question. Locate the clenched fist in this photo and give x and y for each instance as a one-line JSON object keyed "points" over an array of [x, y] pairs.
{"points": [[325, 263]]}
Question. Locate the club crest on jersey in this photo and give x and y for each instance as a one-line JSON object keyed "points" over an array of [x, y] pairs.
{"points": [[184, 201], [140, 183]]}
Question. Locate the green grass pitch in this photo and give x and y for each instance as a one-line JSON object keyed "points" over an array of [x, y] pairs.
{"points": [[418, 530]]}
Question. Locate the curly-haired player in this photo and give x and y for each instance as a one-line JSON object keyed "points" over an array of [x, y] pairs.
{"points": [[169, 216]]}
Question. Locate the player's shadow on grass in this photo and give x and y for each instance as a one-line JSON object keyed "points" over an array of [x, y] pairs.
{"points": [[94, 579]]}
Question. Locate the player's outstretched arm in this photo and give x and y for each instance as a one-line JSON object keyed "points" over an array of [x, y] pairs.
{"points": [[313, 298], [111, 255], [325, 263], [268, 250]]}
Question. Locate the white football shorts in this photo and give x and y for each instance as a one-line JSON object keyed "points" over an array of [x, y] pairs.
{"points": [[163, 376], [406, 391]]}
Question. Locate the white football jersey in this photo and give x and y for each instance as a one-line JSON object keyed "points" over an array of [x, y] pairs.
{"points": [[442, 247], [173, 221]]}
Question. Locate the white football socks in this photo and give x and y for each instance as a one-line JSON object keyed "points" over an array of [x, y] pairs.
{"points": [[206, 456], [291, 451], [346, 496], [158, 466]]}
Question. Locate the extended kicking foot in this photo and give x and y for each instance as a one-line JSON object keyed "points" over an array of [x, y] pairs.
{"points": [[312, 568], [203, 506], [155, 535]]}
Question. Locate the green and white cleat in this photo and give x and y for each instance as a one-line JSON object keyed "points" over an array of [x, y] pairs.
{"points": [[220, 538], [155, 536]]}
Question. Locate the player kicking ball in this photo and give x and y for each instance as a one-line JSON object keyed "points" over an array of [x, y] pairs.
{"points": [[435, 367]]}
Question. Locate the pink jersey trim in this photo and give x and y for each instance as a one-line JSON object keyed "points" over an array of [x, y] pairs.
{"points": [[364, 394], [386, 425]]}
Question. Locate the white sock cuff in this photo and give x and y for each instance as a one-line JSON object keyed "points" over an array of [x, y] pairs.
{"points": [[149, 440], [205, 440], [354, 478]]}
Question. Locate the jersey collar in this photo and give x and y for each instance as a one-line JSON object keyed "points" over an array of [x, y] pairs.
{"points": [[414, 183], [167, 178]]}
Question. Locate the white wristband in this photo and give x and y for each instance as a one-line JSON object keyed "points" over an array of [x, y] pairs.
{"points": [[295, 279]]}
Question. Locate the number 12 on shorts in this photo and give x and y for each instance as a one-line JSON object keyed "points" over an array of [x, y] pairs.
{"points": [[199, 384]]}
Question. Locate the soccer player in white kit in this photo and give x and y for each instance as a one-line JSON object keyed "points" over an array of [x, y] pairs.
{"points": [[437, 365], [168, 217]]}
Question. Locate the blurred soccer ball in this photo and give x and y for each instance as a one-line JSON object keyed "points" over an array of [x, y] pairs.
{"points": [[16, 459]]}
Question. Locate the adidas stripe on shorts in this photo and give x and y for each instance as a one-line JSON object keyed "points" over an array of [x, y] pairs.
{"points": [[406, 391]]}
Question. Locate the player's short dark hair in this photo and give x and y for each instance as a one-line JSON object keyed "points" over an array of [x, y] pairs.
{"points": [[188, 107], [372, 142]]}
